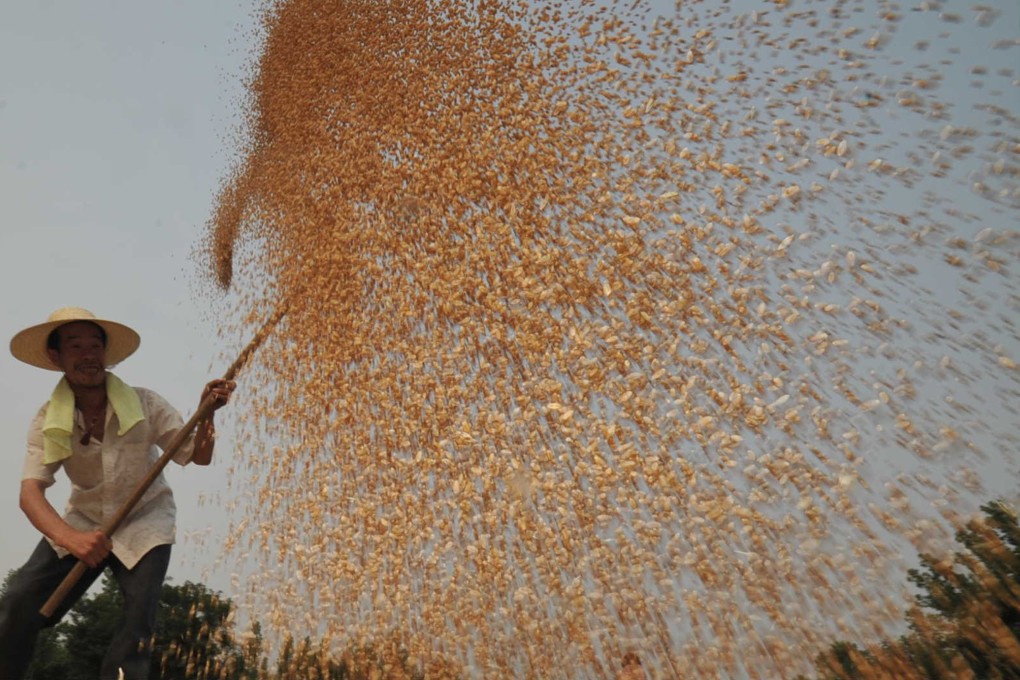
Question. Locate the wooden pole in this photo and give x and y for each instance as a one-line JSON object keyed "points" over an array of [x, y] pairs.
{"points": [[204, 409]]}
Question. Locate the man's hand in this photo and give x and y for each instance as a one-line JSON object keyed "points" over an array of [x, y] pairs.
{"points": [[91, 547], [220, 390]]}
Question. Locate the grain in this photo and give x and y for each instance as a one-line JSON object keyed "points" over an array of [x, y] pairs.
{"points": [[595, 317]]}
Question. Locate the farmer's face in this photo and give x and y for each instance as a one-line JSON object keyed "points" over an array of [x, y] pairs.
{"points": [[82, 354]]}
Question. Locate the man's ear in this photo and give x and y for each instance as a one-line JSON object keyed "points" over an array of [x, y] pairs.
{"points": [[54, 356]]}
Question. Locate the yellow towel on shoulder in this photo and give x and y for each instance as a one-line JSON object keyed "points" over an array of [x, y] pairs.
{"points": [[59, 421]]}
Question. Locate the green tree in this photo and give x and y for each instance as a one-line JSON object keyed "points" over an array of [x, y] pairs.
{"points": [[87, 629], [251, 664], [193, 637], [53, 662], [988, 569], [967, 617], [978, 591], [840, 661], [302, 662], [194, 641]]}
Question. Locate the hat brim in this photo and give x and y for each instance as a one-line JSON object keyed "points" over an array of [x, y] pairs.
{"points": [[29, 345]]}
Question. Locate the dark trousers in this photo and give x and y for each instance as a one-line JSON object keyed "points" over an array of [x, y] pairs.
{"points": [[32, 585]]}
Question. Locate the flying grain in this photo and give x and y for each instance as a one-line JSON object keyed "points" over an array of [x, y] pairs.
{"points": [[601, 317]]}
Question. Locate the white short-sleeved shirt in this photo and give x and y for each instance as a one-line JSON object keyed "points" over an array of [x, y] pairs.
{"points": [[105, 474]]}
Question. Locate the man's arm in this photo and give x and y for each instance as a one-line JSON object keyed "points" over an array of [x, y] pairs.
{"points": [[91, 547], [205, 430], [205, 441]]}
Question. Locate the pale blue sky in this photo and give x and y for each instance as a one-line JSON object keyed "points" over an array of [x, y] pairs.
{"points": [[116, 120]]}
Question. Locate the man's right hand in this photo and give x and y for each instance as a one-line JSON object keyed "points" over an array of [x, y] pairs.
{"points": [[91, 547]]}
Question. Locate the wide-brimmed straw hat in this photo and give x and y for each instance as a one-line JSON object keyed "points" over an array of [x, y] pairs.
{"points": [[30, 344]]}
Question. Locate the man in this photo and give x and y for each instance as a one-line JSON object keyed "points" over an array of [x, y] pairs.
{"points": [[104, 434]]}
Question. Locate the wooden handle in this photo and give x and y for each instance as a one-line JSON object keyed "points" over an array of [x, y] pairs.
{"points": [[64, 589], [204, 409]]}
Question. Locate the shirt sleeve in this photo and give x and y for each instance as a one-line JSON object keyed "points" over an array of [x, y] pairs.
{"points": [[34, 467], [166, 421]]}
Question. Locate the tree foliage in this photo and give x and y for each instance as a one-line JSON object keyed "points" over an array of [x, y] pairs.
{"points": [[195, 639], [966, 623], [191, 633]]}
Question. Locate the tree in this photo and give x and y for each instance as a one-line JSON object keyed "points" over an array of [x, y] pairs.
{"points": [[194, 640], [989, 569], [88, 628], [978, 591], [967, 619], [251, 664], [52, 659], [192, 636]]}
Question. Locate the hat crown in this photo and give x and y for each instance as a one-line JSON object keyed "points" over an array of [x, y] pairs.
{"points": [[71, 314]]}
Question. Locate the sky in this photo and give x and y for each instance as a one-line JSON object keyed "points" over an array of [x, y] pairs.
{"points": [[116, 128]]}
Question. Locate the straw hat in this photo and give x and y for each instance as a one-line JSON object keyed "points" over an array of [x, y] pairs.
{"points": [[30, 344]]}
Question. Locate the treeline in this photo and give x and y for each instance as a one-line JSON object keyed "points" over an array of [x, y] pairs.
{"points": [[195, 641], [966, 622]]}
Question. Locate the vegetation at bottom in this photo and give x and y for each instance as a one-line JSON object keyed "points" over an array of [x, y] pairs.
{"points": [[194, 640], [965, 625]]}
